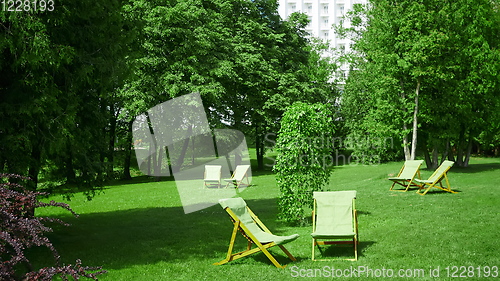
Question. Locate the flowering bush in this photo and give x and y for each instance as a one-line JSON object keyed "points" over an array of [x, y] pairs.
{"points": [[20, 230]]}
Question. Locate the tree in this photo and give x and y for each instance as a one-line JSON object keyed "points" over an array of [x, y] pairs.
{"points": [[59, 70], [424, 58], [304, 157], [246, 63]]}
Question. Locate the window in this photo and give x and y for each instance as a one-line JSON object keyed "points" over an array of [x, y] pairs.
{"points": [[325, 9], [341, 10], [294, 7], [310, 8], [325, 34], [325, 22]]}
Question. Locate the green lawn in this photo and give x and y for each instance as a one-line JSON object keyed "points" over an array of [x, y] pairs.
{"points": [[137, 230]]}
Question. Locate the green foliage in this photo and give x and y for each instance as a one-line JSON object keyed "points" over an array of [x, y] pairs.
{"points": [[58, 75], [244, 60], [445, 50], [304, 157]]}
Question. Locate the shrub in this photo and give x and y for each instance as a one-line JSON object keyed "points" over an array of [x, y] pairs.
{"points": [[21, 230], [304, 157]]}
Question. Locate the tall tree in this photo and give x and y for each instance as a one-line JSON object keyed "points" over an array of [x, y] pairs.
{"points": [[426, 57], [58, 70], [246, 62]]}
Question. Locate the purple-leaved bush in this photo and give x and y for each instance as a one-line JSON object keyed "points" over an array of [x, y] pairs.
{"points": [[20, 230]]}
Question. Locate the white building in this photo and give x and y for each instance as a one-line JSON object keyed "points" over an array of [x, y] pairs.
{"points": [[322, 15]]}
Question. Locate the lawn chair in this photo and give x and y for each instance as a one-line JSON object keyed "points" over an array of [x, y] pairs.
{"points": [[335, 218], [407, 174], [212, 175], [253, 230], [437, 177], [239, 174]]}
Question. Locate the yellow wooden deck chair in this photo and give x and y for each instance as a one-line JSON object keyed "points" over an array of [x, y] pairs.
{"points": [[436, 178], [407, 175], [335, 218], [212, 175], [254, 231], [239, 174]]}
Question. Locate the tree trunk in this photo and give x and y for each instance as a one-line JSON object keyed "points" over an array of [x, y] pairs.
{"points": [[415, 123], [445, 153], [150, 158], [260, 158], [158, 165], [460, 152], [128, 152], [451, 156], [428, 161], [469, 150], [184, 149], [192, 152], [435, 156], [259, 148], [112, 140]]}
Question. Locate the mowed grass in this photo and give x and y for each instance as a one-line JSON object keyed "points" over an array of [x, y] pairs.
{"points": [[137, 230]]}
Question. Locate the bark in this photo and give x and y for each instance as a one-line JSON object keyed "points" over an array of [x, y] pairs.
{"points": [[469, 150], [428, 161], [158, 164], [451, 157], [415, 123], [112, 140], [183, 152], [192, 151], [435, 156], [128, 152], [259, 148], [460, 152], [154, 153], [149, 158], [445, 153]]}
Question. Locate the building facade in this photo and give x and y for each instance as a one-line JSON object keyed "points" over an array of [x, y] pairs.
{"points": [[322, 15]]}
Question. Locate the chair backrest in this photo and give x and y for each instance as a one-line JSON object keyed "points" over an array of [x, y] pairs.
{"points": [[239, 207], [334, 211], [410, 168], [212, 172], [441, 170], [240, 172]]}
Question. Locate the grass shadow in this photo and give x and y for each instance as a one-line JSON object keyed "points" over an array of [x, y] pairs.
{"points": [[476, 168], [126, 238], [340, 252]]}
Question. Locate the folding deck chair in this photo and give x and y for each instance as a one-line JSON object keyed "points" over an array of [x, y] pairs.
{"points": [[212, 175], [335, 218], [407, 174], [437, 177], [254, 231], [240, 173]]}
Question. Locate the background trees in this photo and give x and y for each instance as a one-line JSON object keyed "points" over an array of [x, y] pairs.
{"points": [[429, 67], [73, 80], [59, 71], [246, 62]]}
